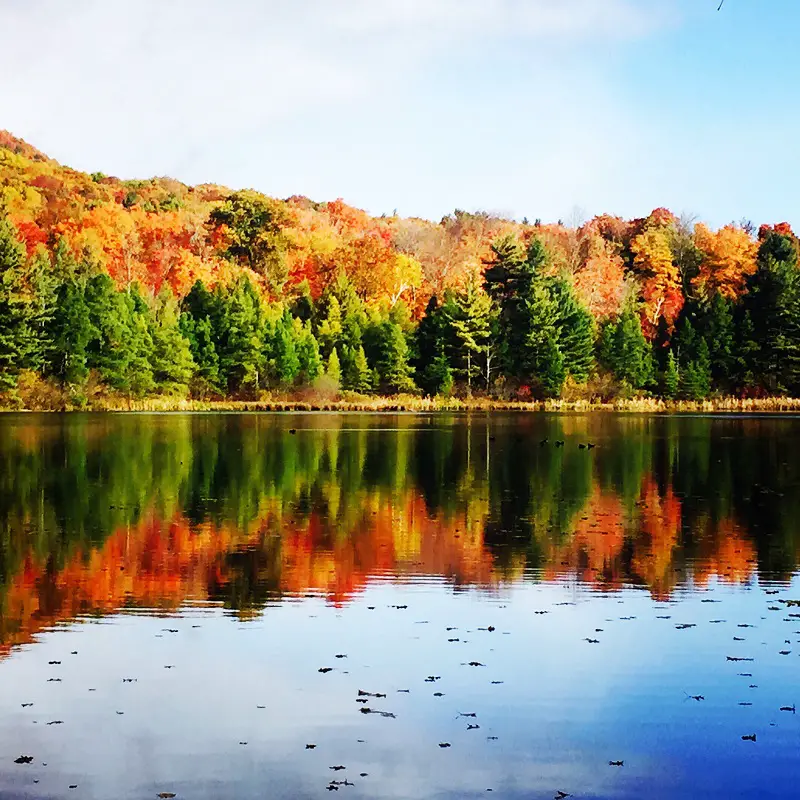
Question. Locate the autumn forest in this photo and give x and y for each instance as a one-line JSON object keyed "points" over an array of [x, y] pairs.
{"points": [[136, 288]]}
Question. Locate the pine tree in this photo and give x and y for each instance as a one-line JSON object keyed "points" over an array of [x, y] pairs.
{"points": [[773, 304], [508, 281], [172, 362], [470, 316], [430, 347], [543, 360], [671, 380], [70, 331], [576, 332], [631, 356], [333, 369], [358, 377], [329, 331], [109, 349], [307, 352], [285, 361], [138, 377], [695, 381], [240, 344], [390, 355], [17, 336], [203, 350], [718, 331]]}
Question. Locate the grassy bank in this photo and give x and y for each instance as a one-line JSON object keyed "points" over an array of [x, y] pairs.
{"points": [[401, 403]]}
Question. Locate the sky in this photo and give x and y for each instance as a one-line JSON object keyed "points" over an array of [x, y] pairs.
{"points": [[541, 108]]}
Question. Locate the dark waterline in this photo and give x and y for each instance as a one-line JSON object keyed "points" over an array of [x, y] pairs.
{"points": [[175, 591]]}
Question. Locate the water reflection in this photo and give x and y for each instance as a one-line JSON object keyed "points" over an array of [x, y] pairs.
{"points": [[100, 513]]}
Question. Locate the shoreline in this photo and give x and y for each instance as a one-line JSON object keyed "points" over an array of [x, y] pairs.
{"points": [[412, 404]]}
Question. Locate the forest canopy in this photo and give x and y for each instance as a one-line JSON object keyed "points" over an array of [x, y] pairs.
{"points": [[143, 287]]}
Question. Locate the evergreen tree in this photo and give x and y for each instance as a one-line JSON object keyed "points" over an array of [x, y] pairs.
{"points": [[307, 352], [719, 334], [576, 332], [204, 353], [70, 331], [138, 377], [469, 314], [671, 380], [773, 304], [695, 380], [389, 352], [329, 330], [172, 361], [285, 361], [240, 346], [542, 359], [624, 350], [430, 347], [358, 376], [109, 349], [17, 336], [333, 369], [508, 281]]}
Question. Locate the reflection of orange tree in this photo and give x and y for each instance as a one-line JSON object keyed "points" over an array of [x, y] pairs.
{"points": [[656, 542], [161, 564], [726, 553], [594, 550]]}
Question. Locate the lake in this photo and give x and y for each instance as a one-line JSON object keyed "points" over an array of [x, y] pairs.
{"points": [[399, 606]]}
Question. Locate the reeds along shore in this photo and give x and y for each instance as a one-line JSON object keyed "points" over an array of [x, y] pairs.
{"points": [[411, 404]]}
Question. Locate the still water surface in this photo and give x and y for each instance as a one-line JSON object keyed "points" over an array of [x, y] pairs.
{"points": [[198, 604]]}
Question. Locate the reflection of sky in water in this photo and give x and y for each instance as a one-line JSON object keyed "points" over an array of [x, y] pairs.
{"points": [[565, 707]]}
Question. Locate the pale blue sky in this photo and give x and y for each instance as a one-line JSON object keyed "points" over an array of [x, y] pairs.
{"points": [[524, 107]]}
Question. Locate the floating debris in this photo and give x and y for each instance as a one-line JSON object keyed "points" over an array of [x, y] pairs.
{"points": [[23, 760]]}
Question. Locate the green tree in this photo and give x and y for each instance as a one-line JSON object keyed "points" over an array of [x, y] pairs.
{"points": [[333, 369], [695, 380], [575, 332], [469, 313], [773, 304], [358, 376], [251, 227], [70, 331], [240, 341], [18, 346], [625, 352], [329, 330], [308, 354], [109, 349], [389, 352], [430, 348], [718, 330], [172, 361], [671, 380], [508, 280], [285, 360]]}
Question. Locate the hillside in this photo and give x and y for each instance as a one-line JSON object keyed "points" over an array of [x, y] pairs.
{"points": [[151, 286]]}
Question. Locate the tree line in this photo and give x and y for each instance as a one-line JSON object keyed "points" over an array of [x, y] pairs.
{"points": [[515, 327]]}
